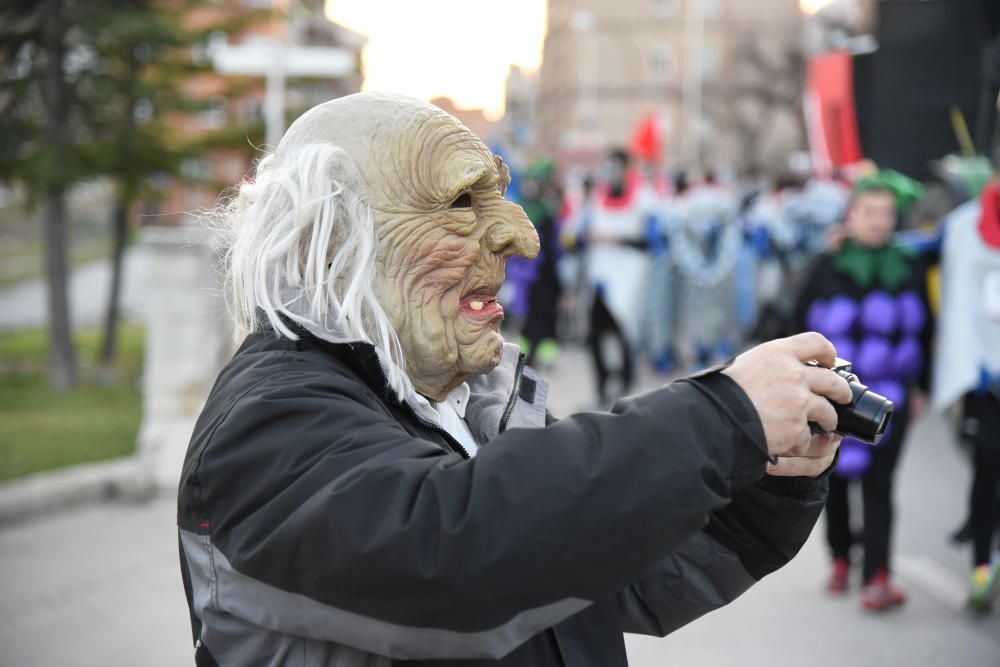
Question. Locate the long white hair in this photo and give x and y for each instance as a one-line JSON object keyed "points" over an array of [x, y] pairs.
{"points": [[301, 245]]}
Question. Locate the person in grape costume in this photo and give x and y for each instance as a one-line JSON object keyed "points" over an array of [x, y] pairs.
{"points": [[869, 298]]}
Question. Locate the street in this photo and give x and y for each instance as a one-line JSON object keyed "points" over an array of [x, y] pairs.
{"points": [[23, 306], [99, 585]]}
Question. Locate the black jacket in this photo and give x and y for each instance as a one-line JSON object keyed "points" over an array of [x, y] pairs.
{"points": [[324, 522]]}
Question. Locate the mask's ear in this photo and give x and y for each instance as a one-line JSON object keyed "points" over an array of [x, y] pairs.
{"points": [[504, 173]]}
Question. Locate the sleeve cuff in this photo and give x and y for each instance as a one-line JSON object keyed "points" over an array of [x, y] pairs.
{"points": [[725, 389], [733, 402], [797, 487]]}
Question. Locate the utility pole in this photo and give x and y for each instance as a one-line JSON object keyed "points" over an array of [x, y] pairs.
{"points": [[694, 76], [584, 23]]}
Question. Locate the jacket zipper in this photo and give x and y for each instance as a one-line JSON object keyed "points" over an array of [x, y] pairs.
{"points": [[513, 396], [455, 444], [504, 419]]}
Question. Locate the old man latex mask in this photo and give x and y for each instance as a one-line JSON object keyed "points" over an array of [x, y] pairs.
{"points": [[381, 218]]}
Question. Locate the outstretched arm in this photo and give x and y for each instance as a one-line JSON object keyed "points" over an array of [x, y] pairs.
{"points": [[760, 531]]}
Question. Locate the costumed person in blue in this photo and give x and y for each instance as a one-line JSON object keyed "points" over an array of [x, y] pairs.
{"points": [[705, 242], [618, 267], [869, 298], [787, 229], [660, 323], [771, 233], [541, 200], [573, 223], [967, 365]]}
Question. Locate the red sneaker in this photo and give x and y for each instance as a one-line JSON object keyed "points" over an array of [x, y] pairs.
{"points": [[839, 576], [880, 594]]}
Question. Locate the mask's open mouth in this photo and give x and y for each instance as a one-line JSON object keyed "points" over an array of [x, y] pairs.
{"points": [[481, 305]]}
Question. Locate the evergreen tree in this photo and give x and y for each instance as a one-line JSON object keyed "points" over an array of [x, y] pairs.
{"points": [[40, 58], [136, 95], [95, 89]]}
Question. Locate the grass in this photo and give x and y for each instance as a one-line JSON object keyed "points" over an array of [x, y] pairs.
{"points": [[42, 428]]}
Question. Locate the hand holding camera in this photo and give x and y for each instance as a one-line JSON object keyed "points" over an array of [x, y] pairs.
{"points": [[790, 393]]}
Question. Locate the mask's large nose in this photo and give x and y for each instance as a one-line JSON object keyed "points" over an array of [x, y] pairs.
{"points": [[512, 233]]}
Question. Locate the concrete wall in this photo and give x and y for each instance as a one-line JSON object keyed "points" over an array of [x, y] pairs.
{"points": [[188, 339]]}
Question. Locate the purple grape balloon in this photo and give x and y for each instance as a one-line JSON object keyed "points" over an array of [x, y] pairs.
{"points": [[878, 314], [912, 313]]}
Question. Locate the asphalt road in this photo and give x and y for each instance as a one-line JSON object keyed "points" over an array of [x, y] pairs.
{"points": [[24, 305], [99, 585]]}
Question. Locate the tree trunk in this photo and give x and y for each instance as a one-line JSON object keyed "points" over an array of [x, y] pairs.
{"points": [[119, 223], [119, 234], [62, 358]]}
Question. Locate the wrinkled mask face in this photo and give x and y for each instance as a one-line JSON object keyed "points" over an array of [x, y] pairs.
{"points": [[445, 232]]}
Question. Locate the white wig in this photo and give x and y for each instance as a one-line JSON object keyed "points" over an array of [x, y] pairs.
{"points": [[302, 245]]}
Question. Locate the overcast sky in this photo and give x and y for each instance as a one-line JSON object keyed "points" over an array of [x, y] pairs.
{"points": [[457, 48]]}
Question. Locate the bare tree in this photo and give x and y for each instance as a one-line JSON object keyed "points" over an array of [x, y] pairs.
{"points": [[766, 88]]}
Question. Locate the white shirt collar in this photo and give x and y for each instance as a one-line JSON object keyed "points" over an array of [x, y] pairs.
{"points": [[458, 398]]}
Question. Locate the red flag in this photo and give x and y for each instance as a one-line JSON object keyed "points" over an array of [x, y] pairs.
{"points": [[647, 139], [830, 113]]}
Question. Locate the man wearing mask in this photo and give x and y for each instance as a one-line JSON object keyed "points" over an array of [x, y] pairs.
{"points": [[375, 478]]}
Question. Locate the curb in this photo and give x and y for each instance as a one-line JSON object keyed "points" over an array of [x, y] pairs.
{"points": [[54, 490]]}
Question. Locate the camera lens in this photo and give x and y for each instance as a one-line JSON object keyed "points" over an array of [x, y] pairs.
{"points": [[866, 417]]}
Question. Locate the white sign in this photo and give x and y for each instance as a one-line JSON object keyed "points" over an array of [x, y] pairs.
{"points": [[258, 58]]}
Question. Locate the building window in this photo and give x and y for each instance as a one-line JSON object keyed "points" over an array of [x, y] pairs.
{"points": [[662, 64], [665, 7]]}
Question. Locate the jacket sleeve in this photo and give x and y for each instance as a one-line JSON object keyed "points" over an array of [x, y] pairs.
{"points": [[763, 527], [321, 516]]}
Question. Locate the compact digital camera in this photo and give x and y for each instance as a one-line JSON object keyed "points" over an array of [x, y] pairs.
{"points": [[867, 416]]}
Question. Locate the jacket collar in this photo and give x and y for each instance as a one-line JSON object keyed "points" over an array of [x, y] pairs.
{"points": [[511, 395]]}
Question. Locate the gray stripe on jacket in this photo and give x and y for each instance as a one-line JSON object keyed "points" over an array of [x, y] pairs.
{"points": [[221, 590]]}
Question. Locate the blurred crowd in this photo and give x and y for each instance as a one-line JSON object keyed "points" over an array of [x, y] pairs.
{"points": [[677, 271]]}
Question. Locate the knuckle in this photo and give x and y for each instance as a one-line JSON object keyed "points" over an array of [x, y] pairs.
{"points": [[845, 388]]}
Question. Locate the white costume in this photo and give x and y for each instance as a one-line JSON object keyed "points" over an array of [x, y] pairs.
{"points": [[968, 334], [617, 265]]}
